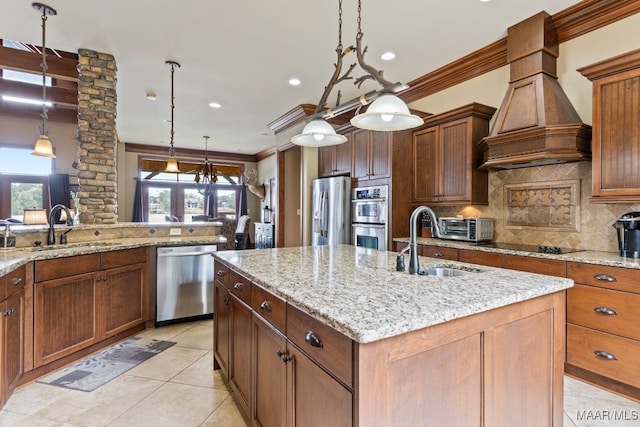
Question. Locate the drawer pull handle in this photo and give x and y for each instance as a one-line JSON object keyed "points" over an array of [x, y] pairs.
{"points": [[237, 286], [438, 254], [17, 281], [312, 339], [605, 355], [220, 273], [265, 306], [605, 277], [10, 311], [283, 356], [605, 310]]}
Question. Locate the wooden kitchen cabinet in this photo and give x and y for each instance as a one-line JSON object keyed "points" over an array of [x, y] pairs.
{"points": [[371, 155], [490, 259], [438, 252], [446, 157], [603, 342], [82, 300], [335, 159], [222, 316], [616, 129], [550, 267]]}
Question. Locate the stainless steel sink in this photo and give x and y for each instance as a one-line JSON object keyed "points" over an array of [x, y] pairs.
{"points": [[443, 272]]}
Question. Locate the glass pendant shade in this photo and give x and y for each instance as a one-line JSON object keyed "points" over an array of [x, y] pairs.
{"points": [[387, 113], [318, 133], [43, 147], [172, 165]]}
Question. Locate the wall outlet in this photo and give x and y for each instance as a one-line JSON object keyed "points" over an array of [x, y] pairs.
{"points": [[175, 231]]}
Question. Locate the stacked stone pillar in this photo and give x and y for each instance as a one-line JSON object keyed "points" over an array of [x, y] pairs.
{"points": [[97, 151]]}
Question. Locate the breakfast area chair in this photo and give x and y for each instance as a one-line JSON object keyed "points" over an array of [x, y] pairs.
{"points": [[242, 232]]}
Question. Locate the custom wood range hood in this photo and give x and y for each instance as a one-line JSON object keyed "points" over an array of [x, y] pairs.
{"points": [[536, 123]]}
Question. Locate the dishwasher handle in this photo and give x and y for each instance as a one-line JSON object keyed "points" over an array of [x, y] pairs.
{"points": [[183, 254]]}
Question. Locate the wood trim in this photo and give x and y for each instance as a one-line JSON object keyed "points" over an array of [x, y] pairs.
{"points": [[61, 97], [59, 68], [292, 117], [580, 19], [187, 152], [267, 152], [615, 65], [28, 111]]}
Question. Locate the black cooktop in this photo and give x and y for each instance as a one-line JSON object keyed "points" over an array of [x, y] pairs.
{"points": [[530, 248]]}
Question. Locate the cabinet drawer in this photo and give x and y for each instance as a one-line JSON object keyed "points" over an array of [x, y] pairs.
{"points": [[438, 252], [64, 267], [603, 309], [16, 280], [621, 279], [583, 343], [272, 308], [550, 267], [491, 259], [221, 273], [240, 287], [124, 257], [325, 345]]}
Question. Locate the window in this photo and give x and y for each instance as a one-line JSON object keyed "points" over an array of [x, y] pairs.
{"points": [[24, 182]]}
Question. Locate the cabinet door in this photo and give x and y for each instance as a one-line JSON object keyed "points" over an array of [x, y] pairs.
{"points": [[426, 181], [456, 161], [551, 267], [65, 317], [240, 365], [123, 293], [269, 375], [326, 161], [316, 399], [438, 252], [380, 155], [360, 155], [13, 341], [342, 157], [221, 336]]}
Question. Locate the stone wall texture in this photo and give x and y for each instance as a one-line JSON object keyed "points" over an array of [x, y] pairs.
{"points": [[97, 151]]}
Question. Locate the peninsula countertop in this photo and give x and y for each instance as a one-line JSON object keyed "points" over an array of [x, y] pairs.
{"points": [[358, 292]]}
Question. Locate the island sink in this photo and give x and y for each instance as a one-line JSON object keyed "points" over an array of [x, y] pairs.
{"points": [[443, 272]]}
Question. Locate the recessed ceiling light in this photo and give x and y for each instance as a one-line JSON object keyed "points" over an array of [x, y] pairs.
{"points": [[167, 120], [388, 56], [485, 1], [151, 96], [215, 105], [294, 81]]}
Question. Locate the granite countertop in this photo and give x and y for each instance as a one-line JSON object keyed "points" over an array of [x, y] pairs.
{"points": [[10, 259], [358, 292], [612, 259]]}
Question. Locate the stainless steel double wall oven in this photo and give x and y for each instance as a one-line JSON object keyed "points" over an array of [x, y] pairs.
{"points": [[369, 213]]}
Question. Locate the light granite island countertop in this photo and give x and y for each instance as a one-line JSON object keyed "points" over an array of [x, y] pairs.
{"points": [[358, 292], [359, 344]]}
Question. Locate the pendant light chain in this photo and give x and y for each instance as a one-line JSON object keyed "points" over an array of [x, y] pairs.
{"points": [[173, 70], [44, 131], [359, 18], [340, 24]]}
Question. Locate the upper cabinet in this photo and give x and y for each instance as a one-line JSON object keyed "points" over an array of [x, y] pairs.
{"points": [[371, 155], [446, 157], [616, 128], [335, 159]]}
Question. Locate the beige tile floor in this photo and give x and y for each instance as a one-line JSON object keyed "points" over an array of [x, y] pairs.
{"points": [[178, 387]]}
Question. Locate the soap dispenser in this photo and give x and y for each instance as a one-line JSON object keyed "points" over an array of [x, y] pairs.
{"points": [[7, 239]]}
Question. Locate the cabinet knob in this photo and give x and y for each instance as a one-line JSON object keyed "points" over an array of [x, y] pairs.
{"points": [[17, 281], [99, 279], [312, 339], [605, 355], [220, 273], [237, 286], [225, 301], [605, 277], [10, 311], [605, 310], [438, 254], [265, 306]]}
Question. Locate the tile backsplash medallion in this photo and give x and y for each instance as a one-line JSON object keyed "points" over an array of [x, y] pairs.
{"points": [[594, 231]]}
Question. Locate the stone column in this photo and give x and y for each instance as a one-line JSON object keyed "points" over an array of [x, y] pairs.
{"points": [[97, 154]]}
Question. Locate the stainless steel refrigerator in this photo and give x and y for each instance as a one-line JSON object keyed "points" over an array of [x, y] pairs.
{"points": [[331, 211]]}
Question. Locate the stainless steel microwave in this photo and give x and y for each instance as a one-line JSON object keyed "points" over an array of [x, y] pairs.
{"points": [[466, 229]]}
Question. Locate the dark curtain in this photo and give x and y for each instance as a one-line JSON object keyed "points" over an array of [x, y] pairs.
{"points": [[209, 207], [59, 192], [138, 214], [243, 200]]}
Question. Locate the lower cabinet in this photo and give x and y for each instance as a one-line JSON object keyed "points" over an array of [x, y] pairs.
{"points": [[221, 335], [240, 366], [12, 332], [81, 300]]}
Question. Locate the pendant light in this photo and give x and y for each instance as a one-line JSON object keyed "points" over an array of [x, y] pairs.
{"points": [[206, 174], [43, 145], [172, 163]]}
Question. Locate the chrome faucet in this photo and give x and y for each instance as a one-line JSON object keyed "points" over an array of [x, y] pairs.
{"points": [[414, 265], [51, 237]]}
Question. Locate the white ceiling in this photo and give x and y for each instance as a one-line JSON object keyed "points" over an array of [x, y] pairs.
{"points": [[242, 53]]}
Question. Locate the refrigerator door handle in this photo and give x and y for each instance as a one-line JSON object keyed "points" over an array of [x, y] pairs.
{"points": [[324, 214]]}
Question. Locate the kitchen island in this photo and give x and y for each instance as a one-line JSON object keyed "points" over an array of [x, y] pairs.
{"points": [[357, 343]]}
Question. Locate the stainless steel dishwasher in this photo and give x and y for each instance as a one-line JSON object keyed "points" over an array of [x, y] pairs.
{"points": [[184, 283]]}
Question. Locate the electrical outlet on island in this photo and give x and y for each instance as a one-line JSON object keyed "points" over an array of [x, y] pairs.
{"points": [[175, 231]]}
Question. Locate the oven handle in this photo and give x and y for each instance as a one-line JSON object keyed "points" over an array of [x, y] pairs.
{"points": [[365, 225], [368, 200]]}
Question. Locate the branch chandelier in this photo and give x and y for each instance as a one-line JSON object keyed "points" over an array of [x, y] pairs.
{"points": [[43, 145], [386, 113], [206, 174], [172, 163]]}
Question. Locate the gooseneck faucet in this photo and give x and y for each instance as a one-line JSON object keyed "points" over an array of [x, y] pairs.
{"points": [[51, 236], [414, 265]]}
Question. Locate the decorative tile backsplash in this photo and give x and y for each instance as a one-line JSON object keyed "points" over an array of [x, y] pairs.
{"points": [[552, 206], [594, 227]]}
